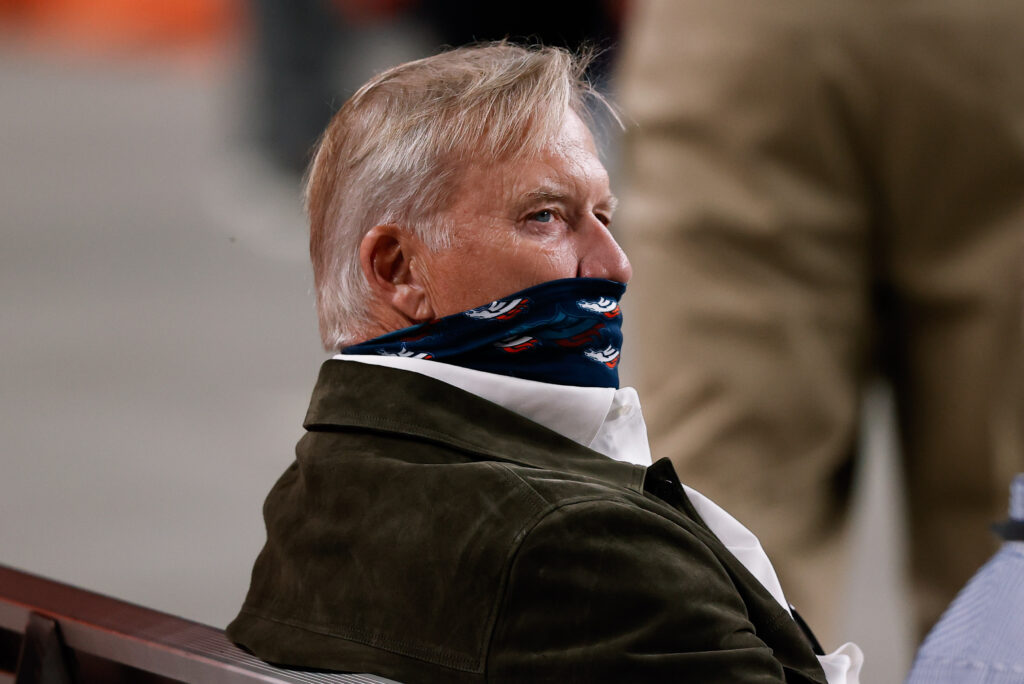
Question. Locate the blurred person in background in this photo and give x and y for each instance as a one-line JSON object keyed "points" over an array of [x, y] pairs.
{"points": [[819, 192], [300, 44]]}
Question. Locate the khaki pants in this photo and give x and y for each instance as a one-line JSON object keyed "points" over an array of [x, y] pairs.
{"points": [[818, 191]]}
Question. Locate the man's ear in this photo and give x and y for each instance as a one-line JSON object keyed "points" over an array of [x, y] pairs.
{"points": [[388, 256]]}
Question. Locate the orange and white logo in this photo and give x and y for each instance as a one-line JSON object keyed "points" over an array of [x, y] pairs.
{"points": [[406, 354], [605, 305], [502, 310], [609, 356]]}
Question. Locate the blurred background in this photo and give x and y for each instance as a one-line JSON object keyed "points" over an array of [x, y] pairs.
{"points": [[159, 336]]}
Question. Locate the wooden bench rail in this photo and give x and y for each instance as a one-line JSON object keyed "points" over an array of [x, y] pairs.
{"points": [[112, 640]]}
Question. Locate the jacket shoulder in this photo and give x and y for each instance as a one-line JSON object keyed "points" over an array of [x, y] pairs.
{"points": [[387, 564]]}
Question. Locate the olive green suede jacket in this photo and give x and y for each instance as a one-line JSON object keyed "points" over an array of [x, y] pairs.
{"points": [[427, 535]]}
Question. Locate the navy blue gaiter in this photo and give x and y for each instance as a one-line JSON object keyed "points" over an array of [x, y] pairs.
{"points": [[566, 331]]}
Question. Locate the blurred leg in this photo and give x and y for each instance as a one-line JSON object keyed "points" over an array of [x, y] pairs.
{"points": [[953, 169], [747, 219]]}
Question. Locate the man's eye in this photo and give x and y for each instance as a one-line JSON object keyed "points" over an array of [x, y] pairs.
{"points": [[545, 216]]}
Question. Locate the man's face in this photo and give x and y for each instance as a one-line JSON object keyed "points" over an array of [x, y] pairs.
{"points": [[521, 223]]}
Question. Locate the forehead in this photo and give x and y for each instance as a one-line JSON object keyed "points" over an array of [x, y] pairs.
{"points": [[568, 165]]}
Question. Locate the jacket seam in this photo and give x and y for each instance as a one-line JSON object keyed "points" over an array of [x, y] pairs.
{"points": [[543, 508], [552, 508]]}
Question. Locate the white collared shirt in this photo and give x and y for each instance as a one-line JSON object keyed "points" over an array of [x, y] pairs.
{"points": [[610, 422]]}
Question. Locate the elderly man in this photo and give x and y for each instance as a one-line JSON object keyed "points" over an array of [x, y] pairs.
{"points": [[472, 501]]}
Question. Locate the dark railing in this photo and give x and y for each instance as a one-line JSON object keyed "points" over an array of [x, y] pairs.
{"points": [[55, 633]]}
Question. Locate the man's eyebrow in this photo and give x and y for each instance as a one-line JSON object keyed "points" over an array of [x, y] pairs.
{"points": [[548, 194], [555, 195]]}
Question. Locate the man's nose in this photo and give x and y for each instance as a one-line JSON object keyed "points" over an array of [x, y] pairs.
{"points": [[601, 256]]}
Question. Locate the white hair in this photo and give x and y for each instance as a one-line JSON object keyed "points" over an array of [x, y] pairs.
{"points": [[393, 153]]}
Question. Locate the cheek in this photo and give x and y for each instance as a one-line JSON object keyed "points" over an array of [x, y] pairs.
{"points": [[522, 260], [552, 264], [484, 271], [513, 271]]}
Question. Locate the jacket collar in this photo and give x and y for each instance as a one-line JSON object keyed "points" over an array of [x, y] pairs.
{"points": [[360, 396]]}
